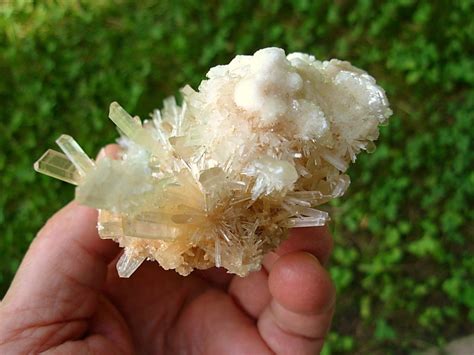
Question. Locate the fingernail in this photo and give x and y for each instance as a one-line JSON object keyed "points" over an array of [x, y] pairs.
{"points": [[312, 257]]}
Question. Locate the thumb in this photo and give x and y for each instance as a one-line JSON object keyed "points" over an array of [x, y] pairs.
{"points": [[64, 267]]}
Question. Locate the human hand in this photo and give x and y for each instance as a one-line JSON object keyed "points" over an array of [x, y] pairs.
{"points": [[67, 298]]}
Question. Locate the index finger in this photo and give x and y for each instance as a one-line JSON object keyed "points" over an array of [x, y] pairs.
{"points": [[66, 258]]}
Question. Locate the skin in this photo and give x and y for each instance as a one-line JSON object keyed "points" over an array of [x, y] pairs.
{"points": [[66, 298]]}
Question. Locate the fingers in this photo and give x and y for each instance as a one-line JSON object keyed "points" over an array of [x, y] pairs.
{"points": [[66, 256], [251, 293], [213, 324], [56, 287], [218, 277], [314, 240], [107, 334], [301, 284], [300, 311]]}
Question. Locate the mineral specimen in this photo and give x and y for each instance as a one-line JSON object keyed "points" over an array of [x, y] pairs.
{"points": [[219, 180]]}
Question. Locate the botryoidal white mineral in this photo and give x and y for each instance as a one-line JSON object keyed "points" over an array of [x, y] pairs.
{"points": [[219, 180]]}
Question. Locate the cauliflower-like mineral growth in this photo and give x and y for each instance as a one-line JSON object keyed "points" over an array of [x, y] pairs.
{"points": [[219, 180]]}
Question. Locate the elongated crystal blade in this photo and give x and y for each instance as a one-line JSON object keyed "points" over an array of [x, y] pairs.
{"points": [[309, 217], [308, 222], [312, 197], [335, 160], [127, 124], [146, 226], [57, 165], [217, 253], [128, 264], [75, 154]]}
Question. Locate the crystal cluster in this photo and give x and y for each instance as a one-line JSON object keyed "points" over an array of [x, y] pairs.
{"points": [[219, 180]]}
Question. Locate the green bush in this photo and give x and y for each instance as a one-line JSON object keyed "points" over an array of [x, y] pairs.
{"points": [[403, 260]]}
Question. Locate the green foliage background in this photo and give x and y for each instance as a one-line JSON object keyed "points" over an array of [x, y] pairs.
{"points": [[403, 261]]}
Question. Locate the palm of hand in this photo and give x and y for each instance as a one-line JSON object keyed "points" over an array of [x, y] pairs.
{"points": [[67, 298]]}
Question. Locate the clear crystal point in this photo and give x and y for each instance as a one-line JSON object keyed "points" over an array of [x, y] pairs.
{"points": [[57, 165], [128, 264], [129, 125], [132, 128], [75, 154]]}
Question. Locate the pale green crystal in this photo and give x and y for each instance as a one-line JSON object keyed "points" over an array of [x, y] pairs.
{"points": [[57, 165], [75, 154], [117, 185], [126, 123], [133, 129]]}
